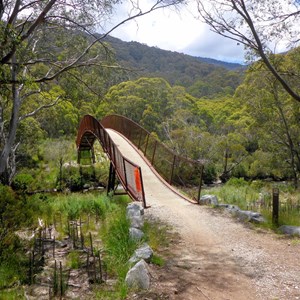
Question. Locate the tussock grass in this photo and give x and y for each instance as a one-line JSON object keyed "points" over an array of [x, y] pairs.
{"points": [[156, 234], [96, 212], [257, 196]]}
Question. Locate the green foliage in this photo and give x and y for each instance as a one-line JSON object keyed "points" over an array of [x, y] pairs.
{"points": [[60, 120], [73, 260], [237, 182], [74, 181], [116, 238], [22, 182], [157, 260], [156, 234], [12, 258], [209, 174], [236, 192], [12, 294]]}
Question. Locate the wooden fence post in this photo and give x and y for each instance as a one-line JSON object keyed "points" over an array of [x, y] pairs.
{"points": [[275, 212]]}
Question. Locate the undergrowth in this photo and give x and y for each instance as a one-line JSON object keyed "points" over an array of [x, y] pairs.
{"points": [[257, 196], [21, 213]]}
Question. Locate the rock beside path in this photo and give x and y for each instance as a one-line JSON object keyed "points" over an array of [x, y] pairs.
{"points": [[136, 234], [144, 252], [138, 276], [135, 214], [291, 230], [244, 215], [209, 200]]}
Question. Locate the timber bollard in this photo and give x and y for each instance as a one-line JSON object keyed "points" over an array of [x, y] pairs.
{"points": [[275, 213]]}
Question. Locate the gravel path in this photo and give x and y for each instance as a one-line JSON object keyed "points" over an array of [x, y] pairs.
{"points": [[217, 257]]}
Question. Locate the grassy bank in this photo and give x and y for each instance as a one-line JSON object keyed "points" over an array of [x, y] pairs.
{"points": [[257, 196], [99, 216]]}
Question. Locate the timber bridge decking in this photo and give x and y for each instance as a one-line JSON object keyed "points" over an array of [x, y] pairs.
{"points": [[146, 168]]}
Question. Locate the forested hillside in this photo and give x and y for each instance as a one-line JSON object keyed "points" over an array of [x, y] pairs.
{"points": [[241, 126], [201, 77]]}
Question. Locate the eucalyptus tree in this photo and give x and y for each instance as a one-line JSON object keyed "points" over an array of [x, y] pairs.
{"points": [[275, 114], [41, 41], [260, 25]]}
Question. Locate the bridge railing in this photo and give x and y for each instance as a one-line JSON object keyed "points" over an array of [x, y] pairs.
{"points": [[128, 172], [175, 169]]}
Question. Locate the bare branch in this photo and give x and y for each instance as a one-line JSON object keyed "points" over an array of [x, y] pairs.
{"points": [[14, 13], [33, 113], [31, 29], [231, 28]]}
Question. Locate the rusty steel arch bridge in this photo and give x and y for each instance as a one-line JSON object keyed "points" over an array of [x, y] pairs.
{"points": [[175, 171]]}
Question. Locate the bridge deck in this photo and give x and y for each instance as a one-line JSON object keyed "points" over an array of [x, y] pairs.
{"points": [[156, 189]]}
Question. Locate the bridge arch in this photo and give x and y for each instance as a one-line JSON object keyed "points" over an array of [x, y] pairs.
{"points": [[129, 174]]}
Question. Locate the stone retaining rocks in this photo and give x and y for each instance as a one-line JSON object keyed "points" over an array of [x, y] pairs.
{"points": [[244, 215], [134, 208], [138, 276], [136, 234], [134, 214], [144, 252], [291, 230], [209, 200], [250, 216]]}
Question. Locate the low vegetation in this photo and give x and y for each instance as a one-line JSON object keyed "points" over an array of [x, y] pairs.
{"points": [[257, 196], [101, 218]]}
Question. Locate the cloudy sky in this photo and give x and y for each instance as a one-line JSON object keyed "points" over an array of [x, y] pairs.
{"points": [[176, 31]]}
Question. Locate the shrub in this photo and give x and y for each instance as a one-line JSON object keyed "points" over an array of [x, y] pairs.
{"points": [[22, 182], [209, 174], [12, 261], [237, 182]]}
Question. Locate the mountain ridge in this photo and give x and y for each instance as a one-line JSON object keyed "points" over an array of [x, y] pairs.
{"points": [[200, 76], [212, 61]]}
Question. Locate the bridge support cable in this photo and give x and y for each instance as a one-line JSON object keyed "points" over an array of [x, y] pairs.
{"points": [[129, 174]]}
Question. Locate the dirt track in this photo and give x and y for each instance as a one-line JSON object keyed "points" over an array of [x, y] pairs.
{"points": [[216, 257]]}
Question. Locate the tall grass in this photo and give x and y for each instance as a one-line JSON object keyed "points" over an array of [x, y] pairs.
{"points": [[236, 192], [58, 210], [257, 196]]}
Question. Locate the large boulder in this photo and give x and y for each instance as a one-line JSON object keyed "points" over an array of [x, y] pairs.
{"points": [[144, 252], [138, 276], [136, 221], [209, 200], [291, 230]]}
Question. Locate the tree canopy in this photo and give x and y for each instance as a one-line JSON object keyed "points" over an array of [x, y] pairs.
{"points": [[258, 25], [40, 42]]}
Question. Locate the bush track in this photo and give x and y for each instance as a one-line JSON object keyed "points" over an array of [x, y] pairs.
{"points": [[216, 256]]}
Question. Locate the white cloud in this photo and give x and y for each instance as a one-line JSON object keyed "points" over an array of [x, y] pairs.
{"points": [[176, 31]]}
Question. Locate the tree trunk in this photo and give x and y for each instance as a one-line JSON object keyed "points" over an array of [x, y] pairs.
{"points": [[12, 129], [225, 174]]}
